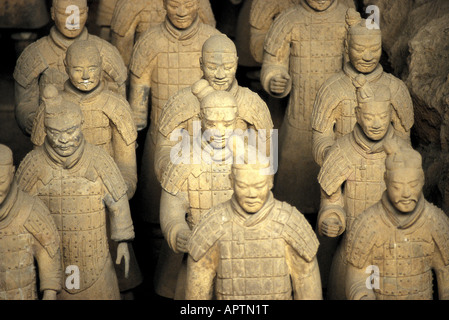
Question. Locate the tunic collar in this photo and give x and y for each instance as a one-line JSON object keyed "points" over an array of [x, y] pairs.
{"points": [[82, 96], [352, 73], [368, 145], [182, 34], [61, 41], [64, 162]]}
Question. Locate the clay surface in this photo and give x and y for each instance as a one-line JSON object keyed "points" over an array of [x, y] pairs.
{"points": [[233, 248], [27, 234], [219, 66], [104, 16], [400, 239], [42, 62], [333, 111], [82, 187], [262, 15], [195, 182], [108, 121], [352, 175], [416, 46], [303, 48], [131, 18]]}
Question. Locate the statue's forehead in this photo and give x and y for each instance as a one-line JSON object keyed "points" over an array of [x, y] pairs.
{"points": [[219, 55], [220, 113], [250, 174], [63, 123], [404, 174], [374, 107], [86, 59], [63, 4]]}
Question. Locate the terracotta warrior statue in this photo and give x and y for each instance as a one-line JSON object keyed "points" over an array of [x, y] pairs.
{"points": [[402, 239], [304, 47], [193, 184], [166, 60], [219, 63], [42, 62], [132, 18], [253, 246], [352, 176], [27, 233], [333, 114], [104, 15], [82, 187], [263, 13], [108, 121]]}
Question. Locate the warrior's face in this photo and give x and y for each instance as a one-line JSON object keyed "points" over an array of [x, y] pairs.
{"points": [[6, 178], [404, 187], [181, 13], [374, 118], [218, 124], [219, 69], [84, 70], [251, 188], [320, 5], [70, 16], [365, 51], [64, 137]]}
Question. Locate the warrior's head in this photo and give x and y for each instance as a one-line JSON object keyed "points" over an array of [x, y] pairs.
{"points": [[319, 5], [404, 177], [363, 44], [373, 111], [251, 179], [182, 13], [83, 65], [219, 62], [63, 123], [218, 118], [70, 16], [7, 171]]}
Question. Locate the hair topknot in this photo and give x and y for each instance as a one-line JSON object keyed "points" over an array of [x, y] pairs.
{"points": [[352, 17]]}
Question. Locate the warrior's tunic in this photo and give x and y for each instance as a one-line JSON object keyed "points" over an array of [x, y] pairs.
{"points": [[79, 191], [309, 46], [42, 63], [334, 110], [27, 232], [267, 255], [351, 179], [405, 253], [108, 123]]}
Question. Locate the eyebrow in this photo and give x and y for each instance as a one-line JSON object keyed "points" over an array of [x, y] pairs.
{"points": [[61, 130], [406, 182], [374, 114]]}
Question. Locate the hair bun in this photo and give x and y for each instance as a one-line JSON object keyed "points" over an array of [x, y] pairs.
{"points": [[352, 17]]}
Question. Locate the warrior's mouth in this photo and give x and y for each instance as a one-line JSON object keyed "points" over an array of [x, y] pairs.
{"points": [[86, 83]]}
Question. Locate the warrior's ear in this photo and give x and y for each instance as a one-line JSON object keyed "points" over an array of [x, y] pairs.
{"points": [[271, 182], [52, 13]]}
